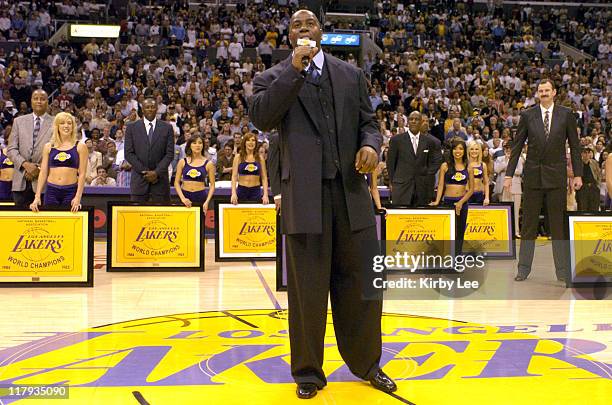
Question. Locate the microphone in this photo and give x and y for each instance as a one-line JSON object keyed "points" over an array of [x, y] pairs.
{"points": [[306, 42]]}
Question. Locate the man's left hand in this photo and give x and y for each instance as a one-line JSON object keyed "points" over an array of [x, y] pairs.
{"points": [[577, 183], [366, 160]]}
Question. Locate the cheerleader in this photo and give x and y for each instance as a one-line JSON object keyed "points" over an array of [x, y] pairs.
{"points": [[190, 185], [64, 166]]}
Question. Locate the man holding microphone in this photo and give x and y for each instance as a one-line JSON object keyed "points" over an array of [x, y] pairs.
{"points": [[328, 140]]}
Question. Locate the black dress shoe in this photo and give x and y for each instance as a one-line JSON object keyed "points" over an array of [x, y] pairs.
{"points": [[520, 278], [306, 390], [383, 382]]}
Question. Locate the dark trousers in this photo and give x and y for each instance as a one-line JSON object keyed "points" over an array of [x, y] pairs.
{"points": [[332, 263], [24, 198], [556, 204], [156, 198], [588, 198], [157, 193], [477, 198]]}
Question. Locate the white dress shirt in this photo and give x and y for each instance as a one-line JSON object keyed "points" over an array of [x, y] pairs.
{"points": [[318, 60], [147, 122], [415, 140]]}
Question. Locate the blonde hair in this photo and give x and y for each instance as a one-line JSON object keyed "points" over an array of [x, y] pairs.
{"points": [[479, 146], [55, 138]]}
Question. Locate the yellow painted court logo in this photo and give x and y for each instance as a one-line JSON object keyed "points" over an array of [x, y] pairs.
{"points": [[243, 357]]}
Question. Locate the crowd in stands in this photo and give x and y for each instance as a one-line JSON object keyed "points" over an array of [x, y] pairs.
{"points": [[470, 71]]}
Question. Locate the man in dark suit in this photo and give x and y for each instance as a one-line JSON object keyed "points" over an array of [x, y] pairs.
{"points": [[547, 127], [328, 140], [412, 162], [149, 148]]}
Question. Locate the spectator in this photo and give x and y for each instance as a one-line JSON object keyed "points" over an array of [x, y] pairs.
{"points": [[224, 162], [456, 131], [587, 196], [94, 160], [102, 179]]}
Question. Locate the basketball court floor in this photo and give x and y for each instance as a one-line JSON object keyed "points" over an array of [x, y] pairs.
{"points": [[220, 337]]}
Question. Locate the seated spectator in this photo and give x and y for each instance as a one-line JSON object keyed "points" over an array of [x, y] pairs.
{"points": [[102, 179], [224, 162], [94, 161]]}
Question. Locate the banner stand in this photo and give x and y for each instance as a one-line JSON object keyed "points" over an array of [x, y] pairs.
{"points": [[54, 241], [154, 237], [245, 232], [590, 250]]}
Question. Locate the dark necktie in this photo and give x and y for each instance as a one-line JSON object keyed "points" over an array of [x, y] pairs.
{"points": [[313, 72], [150, 131], [36, 130], [547, 124]]}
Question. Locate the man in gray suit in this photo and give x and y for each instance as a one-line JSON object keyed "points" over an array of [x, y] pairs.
{"points": [[412, 162], [328, 139], [149, 148], [547, 127], [29, 135]]}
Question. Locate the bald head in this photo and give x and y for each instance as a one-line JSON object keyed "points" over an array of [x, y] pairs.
{"points": [[414, 122], [304, 24], [40, 102]]}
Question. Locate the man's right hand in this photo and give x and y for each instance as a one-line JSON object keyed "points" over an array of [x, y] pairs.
{"points": [[31, 170], [507, 184], [299, 52]]}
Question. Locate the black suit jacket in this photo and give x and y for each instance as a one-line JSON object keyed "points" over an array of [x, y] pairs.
{"points": [[274, 173], [413, 176], [279, 101], [546, 163], [143, 156]]}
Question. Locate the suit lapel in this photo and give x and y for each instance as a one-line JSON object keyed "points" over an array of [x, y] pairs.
{"points": [[338, 87], [540, 125], [421, 145], [144, 131], [156, 132], [309, 102], [555, 120], [29, 127], [408, 141], [45, 125]]}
